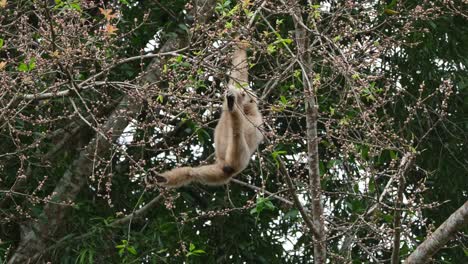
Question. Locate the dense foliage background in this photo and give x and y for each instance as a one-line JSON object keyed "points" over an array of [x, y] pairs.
{"points": [[94, 94]]}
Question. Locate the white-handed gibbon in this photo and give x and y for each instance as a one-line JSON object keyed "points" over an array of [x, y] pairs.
{"points": [[237, 133]]}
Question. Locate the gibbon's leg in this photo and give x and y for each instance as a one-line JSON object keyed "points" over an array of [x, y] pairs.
{"points": [[214, 174], [174, 178]]}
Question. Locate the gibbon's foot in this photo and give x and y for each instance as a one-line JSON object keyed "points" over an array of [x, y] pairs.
{"points": [[160, 179], [231, 98], [154, 178]]}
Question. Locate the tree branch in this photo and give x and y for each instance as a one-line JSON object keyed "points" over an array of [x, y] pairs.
{"points": [[405, 164], [292, 189], [440, 237], [138, 213], [44, 96], [311, 105]]}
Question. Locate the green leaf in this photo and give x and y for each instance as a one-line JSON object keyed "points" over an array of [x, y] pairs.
{"points": [[293, 214], [202, 135], [283, 100], [271, 49], [297, 74], [185, 64], [269, 205], [23, 67], [285, 41], [404, 249], [183, 27], [76, 6], [276, 154], [81, 257], [162, 251], [32, 64], [387, 218], [198, 251], [160, 98], [132, 250], [322, 168], [261, 205], [193, 251], [1, 43], [90, 256]]}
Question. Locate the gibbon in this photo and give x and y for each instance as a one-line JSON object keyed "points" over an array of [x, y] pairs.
{"points": [[237, 133]]}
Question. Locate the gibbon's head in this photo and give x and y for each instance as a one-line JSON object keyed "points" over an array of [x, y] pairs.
{"points": [[245, 95]]}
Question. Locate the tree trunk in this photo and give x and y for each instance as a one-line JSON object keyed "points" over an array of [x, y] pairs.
{"points": [[406, 162], [311, 106]]}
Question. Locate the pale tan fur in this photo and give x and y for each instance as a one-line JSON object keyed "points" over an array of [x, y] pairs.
{"points": [[237, 133]]}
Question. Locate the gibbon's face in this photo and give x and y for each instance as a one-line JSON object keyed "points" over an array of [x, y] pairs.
{"points": [[248, 97], [244, 96]]}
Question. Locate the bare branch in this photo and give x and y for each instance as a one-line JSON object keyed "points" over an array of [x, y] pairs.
{"points": [[138, 213], [44, 96]]}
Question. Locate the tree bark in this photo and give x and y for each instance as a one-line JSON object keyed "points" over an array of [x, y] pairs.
{"points": [[302, 40], [406, 162], [37, 233], [440, 237]]}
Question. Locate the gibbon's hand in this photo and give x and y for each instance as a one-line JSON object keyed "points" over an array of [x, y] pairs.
{"points": [[231, 100]]}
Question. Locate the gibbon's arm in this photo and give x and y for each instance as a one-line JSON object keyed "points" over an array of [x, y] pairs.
{"points": [[239, 76], [236, 135]]}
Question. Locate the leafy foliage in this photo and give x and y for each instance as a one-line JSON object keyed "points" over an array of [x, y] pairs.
{"points": [[389, 79]]}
